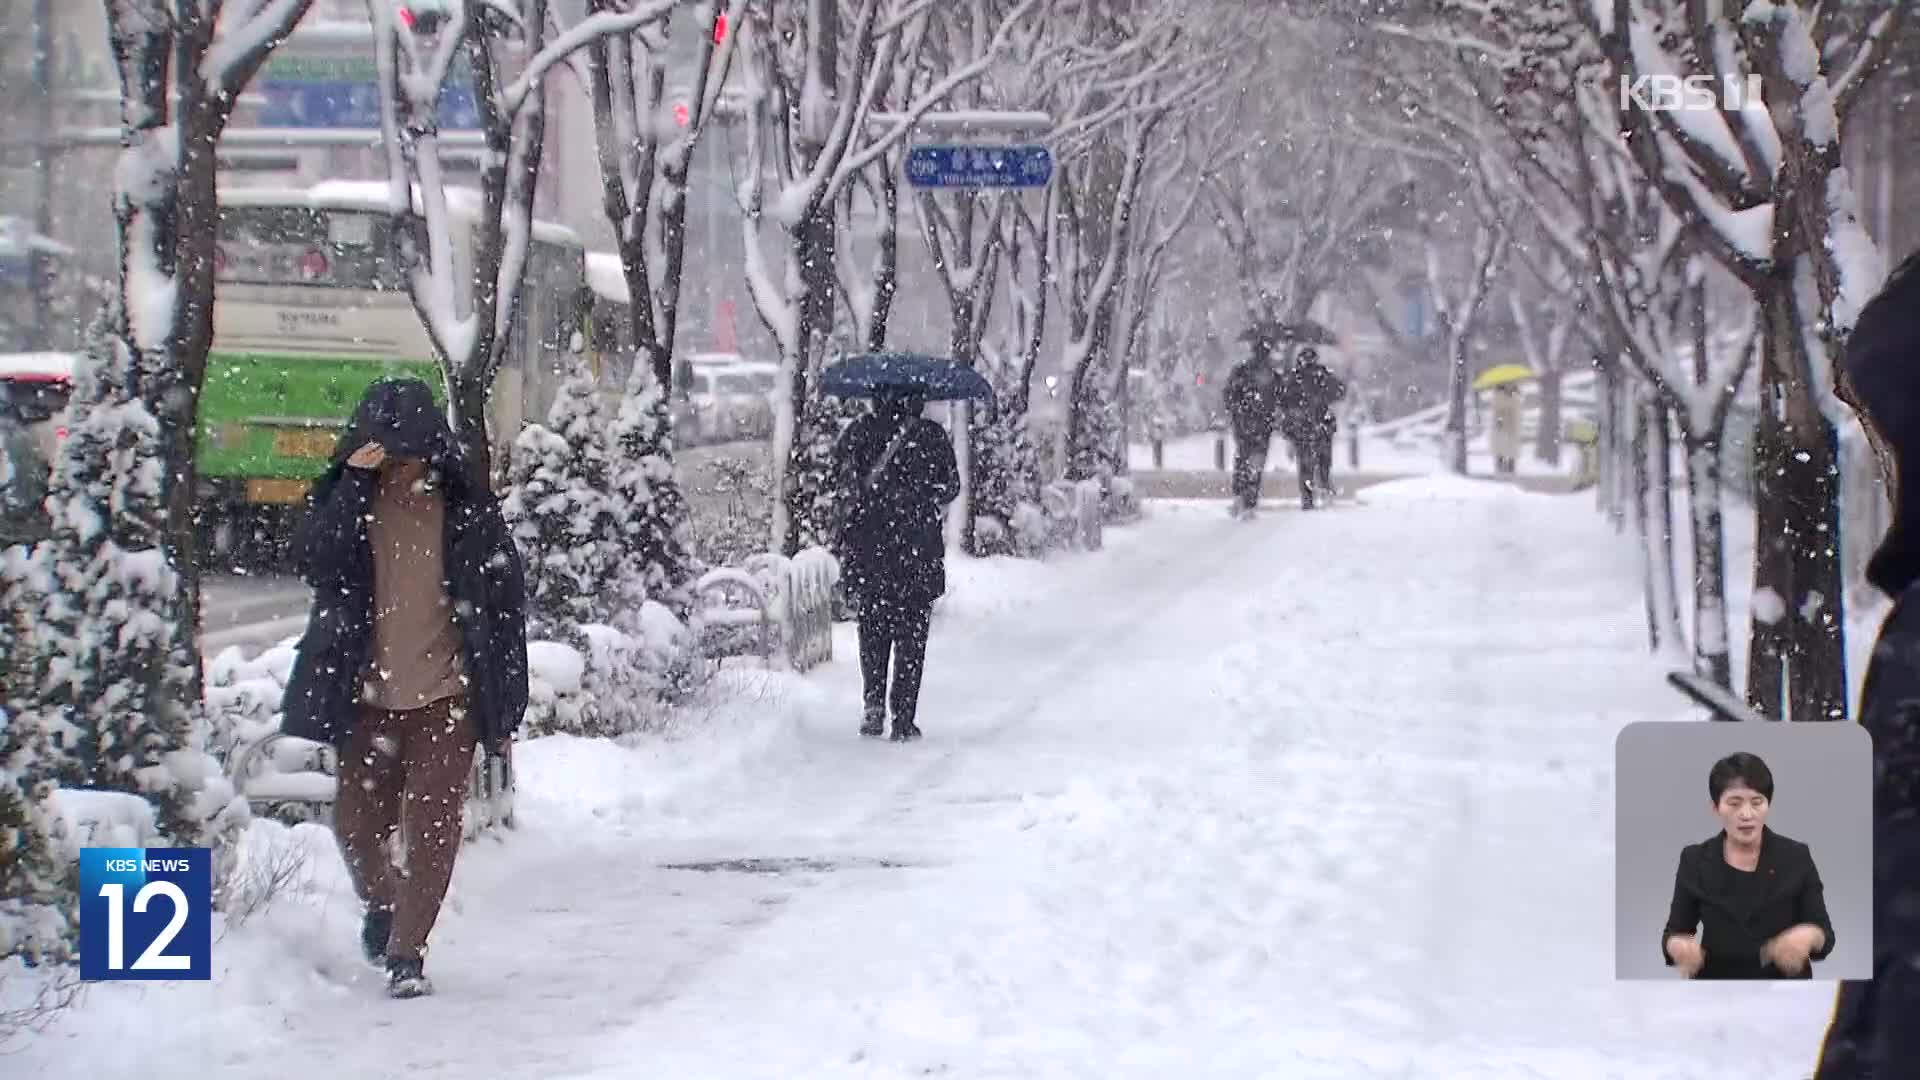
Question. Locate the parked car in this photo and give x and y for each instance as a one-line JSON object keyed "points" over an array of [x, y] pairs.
{"points": [[734, 403], [35, 390]]}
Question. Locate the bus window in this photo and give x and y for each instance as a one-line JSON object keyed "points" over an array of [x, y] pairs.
{"points": [[293, 245]]}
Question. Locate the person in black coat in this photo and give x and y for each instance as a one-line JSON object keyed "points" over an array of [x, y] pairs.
{"points": [[1252, 399], [1874, 1032], [1308, 393], [895, 474], [415, 653], [1748, 903]]}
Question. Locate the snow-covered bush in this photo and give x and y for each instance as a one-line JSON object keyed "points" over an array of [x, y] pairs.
{"points": [[559, 510], [649, 511], [110, 707]]}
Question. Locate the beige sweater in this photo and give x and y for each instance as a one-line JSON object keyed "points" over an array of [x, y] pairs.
{"points": [[416, 657]]}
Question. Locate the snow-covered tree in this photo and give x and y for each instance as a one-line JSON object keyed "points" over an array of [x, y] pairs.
{"points": [[646, 156], [182, 65], [814, 72], [648, 510], [560, 509], [511, 46], [1103, 166], [1775, 207]]}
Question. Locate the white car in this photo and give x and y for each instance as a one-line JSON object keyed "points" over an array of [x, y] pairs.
{"points": [[733, 402]]}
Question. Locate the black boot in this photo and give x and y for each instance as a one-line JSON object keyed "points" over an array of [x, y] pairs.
{"points": [[407, 978], [904, 730], [875, 724], [375, 929]]}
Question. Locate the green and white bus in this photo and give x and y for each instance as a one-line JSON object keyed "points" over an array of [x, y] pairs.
{"points": [[311, 307]]}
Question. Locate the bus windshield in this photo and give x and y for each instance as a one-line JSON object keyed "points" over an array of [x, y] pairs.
{"points": [[297, 245]]}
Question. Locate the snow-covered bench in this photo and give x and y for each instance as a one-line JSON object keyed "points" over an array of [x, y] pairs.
{"points": [[294, 779], [1076, 514], [770, 607]]}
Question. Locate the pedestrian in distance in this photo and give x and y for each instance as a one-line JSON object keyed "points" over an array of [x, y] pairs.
{"points": [[415, 653], [1748, 902], [1253, 403], [1308, 394], [895, 474], [1873, 1032]]}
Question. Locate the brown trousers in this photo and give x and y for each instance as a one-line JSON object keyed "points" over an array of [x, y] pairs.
{"points": [[405, 770]]}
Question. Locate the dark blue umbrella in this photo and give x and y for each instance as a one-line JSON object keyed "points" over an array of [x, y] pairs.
{"points": [[934, 377]]}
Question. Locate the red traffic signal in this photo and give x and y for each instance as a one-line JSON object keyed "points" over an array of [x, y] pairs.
{"points": [[681, 114], [720, 28]]}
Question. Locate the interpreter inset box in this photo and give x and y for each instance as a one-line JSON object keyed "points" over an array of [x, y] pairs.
{"points": [[1743, 851]]}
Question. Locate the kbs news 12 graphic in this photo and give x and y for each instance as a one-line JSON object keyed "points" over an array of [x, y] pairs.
{"points": [[146, 913]]}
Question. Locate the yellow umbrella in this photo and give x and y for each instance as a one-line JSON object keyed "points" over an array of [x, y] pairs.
{"points": [[1503, 375]]}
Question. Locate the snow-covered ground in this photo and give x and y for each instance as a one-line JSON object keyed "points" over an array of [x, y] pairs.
{"points": [[1324, 796]]}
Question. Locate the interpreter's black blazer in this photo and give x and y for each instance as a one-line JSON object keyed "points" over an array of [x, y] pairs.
{"points": [[1733, 932]]}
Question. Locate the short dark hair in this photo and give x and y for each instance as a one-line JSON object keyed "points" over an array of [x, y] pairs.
{"points": [[1741, 768]]}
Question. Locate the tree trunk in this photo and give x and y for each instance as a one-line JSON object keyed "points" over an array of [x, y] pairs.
{"points": [[1616, 449], [1546, 445], [1666, 561], [1642, 519], [469, 400], [1704, 494], [1456, 433], [1797, 663]]}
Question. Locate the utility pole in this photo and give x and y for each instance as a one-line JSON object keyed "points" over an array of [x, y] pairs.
{"points": [[39, 262]]}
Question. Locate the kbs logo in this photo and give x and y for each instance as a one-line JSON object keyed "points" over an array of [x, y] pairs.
{"points": [[146, 913], [1669, 93]]}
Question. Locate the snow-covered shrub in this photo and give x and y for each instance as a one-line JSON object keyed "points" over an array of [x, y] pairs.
{"points": [[1030, 530], [39, 884], [1093, 446], [560, 513], [812, 494], [649, 511], [112, 668]]}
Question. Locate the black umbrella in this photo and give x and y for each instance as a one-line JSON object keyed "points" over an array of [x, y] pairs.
{"points": [[935, 378]]}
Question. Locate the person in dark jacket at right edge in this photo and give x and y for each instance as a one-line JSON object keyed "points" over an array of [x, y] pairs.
{"points": [[1875, 1031]]}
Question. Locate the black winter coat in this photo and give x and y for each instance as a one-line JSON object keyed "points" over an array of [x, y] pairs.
{"points": [[891, 543], [1307, 396], [333, 553], [1732, 927], [1253, 400], [1883, 364]]}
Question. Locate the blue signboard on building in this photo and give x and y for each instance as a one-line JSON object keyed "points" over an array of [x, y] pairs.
{"points": [[979, 166], [344, 92]]}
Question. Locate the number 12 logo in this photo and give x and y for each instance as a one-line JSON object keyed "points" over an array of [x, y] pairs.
{"points": [[152, 903]]}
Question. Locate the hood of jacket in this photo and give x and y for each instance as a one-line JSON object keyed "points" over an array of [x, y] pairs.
{"points": [[401, 415], [1883, 366]]}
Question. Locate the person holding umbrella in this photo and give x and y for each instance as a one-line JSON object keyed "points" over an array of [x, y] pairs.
{"points": [[894, 475]]}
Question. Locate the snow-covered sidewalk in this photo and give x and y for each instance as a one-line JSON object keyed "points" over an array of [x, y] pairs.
{"points": [[1323, 796]]}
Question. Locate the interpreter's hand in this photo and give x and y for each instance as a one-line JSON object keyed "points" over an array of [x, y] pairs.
{"points": [[1687, 954], [1790, 948], [370, 456]]}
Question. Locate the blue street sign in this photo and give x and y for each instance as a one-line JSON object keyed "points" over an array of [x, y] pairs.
{"points": [[979, 166]]}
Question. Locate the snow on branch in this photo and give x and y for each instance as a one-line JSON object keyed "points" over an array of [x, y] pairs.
{"points": [[628, 18], [246, 35]]}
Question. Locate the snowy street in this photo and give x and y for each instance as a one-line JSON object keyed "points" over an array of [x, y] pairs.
{"points": [[1325, 796]]}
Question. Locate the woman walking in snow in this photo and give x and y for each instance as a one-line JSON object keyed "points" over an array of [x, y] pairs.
{"points": [[895, 474], [415, 653]]}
